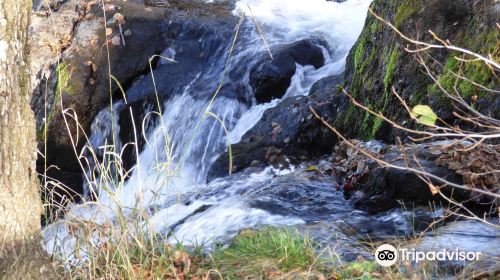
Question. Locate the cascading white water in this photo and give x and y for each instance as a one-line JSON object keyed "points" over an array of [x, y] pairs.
{"points": [[177, 156]]}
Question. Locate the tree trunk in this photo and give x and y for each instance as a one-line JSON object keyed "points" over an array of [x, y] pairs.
{"points": [[20, 205]]}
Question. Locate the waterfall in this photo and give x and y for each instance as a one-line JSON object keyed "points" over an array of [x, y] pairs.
{"points": [[171, 169]]}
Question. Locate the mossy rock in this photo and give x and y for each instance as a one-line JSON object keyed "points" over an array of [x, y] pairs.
{"points": [[379, 62]]}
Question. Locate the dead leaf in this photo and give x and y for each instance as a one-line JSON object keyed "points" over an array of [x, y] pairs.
{"points": [[434, 189], [182, 262], [120, 18], [89, 5], [110, 7], [474, 99], [116, 41], [109, 31]]}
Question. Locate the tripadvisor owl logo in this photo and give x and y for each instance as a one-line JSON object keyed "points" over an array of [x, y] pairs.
{"points": [[386, 255]]}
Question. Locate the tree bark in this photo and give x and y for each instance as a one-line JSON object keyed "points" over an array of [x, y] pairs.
{"points": [[20, 204]]}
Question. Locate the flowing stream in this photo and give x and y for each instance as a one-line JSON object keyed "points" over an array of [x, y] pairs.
{"points": [[170, 174]]}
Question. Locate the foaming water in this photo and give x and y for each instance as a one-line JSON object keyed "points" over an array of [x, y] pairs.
{"points": [[188, 138], [290, 20]]}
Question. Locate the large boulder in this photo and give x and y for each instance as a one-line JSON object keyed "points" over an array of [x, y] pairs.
{"points": [[378, 62], [286, 133], [270, 78], [328, 84], [384, 188]]}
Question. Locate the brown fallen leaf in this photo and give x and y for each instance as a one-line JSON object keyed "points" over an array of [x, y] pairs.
{"points": [[109, 31], [120, 18], [89, 6], [110, 7], [116, 40], [434, 189]]}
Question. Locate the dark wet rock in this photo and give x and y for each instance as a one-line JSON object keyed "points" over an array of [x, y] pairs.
{"points": [[376, 189], [386, 188], [287, 131], [199, 210], [312, 200], [193, 45], [328, 84], [270, 78]]}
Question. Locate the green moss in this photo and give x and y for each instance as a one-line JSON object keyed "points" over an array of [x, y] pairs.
{"points": [[377, 123], [63, 74], [475, 71], [370, 60], [374, 26], [348, 117], [365, 124], [359, 51], [391, 67], [370, 125], [405, 10]]}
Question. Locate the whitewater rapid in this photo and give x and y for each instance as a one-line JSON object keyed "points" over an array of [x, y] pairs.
{"points": [[177, 190]]}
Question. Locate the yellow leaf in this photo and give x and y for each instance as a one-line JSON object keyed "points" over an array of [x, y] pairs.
{"points": [[312, 168], [434, 189], [424, 115]]}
